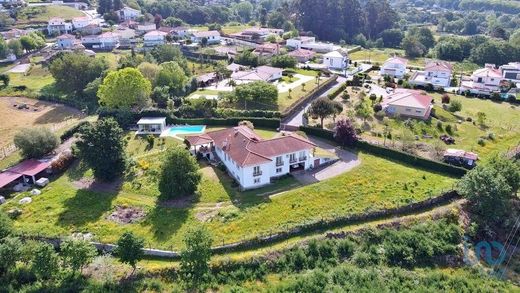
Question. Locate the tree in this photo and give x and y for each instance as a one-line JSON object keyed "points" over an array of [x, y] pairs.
{"points": [[364, 111], [488, 193], [345, 133], [102, 147], [247, 58], [32, 41], [36, 142], [412, 47], [338, 108], [149, 71], [46, 262], [323, 107], [129, 249], [284, 61], [179, 175], [77, 254], [514, 39], [195, 257], [244, 9], [5, 79], [508, 169], [16, 47], [392, 38], [10, 253], [258, 91], [125, 88], [173, 76], [73, 71], [166, 53]]}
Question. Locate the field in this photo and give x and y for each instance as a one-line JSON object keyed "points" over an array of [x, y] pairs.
{"points": [[36, 79], [66, 206], [48, 115], [42, 14]]}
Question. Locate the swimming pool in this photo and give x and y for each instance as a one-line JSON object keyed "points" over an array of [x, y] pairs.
{"points": [[185, 129]]}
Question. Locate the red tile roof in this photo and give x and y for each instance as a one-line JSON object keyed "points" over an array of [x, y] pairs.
{"points": [[30, 167], [246, 148], [439, 66]]}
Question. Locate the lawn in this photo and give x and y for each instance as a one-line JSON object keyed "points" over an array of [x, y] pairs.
{"points": [[36, 79], [286, 99], [231, 215], [42, 14], [231, 29]]}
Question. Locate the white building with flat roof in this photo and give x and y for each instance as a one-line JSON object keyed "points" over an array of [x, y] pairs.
{"points": [[335, 60], [151, 125]]}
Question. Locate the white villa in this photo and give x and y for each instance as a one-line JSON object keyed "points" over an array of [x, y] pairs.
{"points": [[154, 38], [66, 41], [261, 73], [127, 13], [436, 73], [484, 81], [394, 67], [309, 43], [335, 60], [409, 103], [511, 71], [105, 41], [251, 160], [58, 25], [80, 22], [213, 37], [151, 125]]}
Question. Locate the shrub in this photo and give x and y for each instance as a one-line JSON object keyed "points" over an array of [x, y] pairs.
{"points": [[377, 108], [491, 136], [345, 134], [62, 162], [35, 142], [445, 99], [449, 129], [180, 174], [481, 141], [73, 130], [6, 226], [439, 125], [455, 106]]}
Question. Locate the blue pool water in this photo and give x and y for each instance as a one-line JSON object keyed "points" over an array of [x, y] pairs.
{"points": [[186, 129]]}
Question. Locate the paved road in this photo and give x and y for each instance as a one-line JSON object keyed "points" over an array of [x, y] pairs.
{"points": [[347, 162], [297, 119]]}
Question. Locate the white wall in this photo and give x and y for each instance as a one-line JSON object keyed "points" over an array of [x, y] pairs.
{"points": [[393, 69]]}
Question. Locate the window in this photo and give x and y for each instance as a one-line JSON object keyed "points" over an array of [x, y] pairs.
{"points": [[279, 170], [257, 180], [257, 171], [279, 161], [408, 110], [292, 158]]}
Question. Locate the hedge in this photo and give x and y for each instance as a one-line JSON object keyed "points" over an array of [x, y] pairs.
{"points": [[257, 122], [228, 113], [388, 153], [71, 131], [337, 91]]}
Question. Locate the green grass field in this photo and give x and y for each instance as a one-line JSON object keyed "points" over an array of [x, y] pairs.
{"points": [[42, 14], [36, 79]]}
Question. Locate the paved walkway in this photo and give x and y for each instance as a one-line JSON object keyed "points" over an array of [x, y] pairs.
{"points": [[347, 162], [20, 68]]}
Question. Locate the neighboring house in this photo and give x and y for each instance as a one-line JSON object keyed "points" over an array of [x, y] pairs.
{"points": [[151, 125], [302, 55], [127, 13], [460, 158], [252, 161], [213, 37], [267, 50], [436, 73], [126, 37], [394, 67], [91, 29], [309, 43], [256, 34], [180, 31], [409, 103], [233, 67], [146, 27], [511, 71], [65, 41], [154, 38], [206, 79], [129, 24], [262, 73], [14, 34], [57, 25], [80, 22], [484, 81], [335, 60], [105, 41]]}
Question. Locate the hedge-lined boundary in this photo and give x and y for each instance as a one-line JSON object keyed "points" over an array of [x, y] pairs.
{"points": [[273, 123], [296, 106], [388, 153], [337, 91]]}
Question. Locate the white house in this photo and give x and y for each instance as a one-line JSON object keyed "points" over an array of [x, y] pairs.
{"points": [[251, 160], [213, 37], [154, 38], [146, 27], [296, 43], [65, 41], [394, 67], [484, 81], [57, 25], [261, 73], [436, 73], [409, 103], [180, 31], [335, 60], [511, 71], [151, 125], [309, 43], [80, 22], [105, 41], [127, 13]]}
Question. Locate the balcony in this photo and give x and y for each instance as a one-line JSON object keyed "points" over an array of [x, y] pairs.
{"points": [[303, 159], [256, 174], [279, 164]]}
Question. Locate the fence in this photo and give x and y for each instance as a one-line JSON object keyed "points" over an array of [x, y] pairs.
{"points": [[286, 232]]}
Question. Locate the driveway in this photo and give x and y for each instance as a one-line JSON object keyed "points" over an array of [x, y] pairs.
{"points": [[347, 162]]}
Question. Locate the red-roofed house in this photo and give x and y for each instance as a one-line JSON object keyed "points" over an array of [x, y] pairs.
{"points": [[267, 50], [302, 55], [436, 73], [28, 168], [213, 37], [154, 38], [410, 103], [261, 73], [484, 81], [254, 161], [394, 67]]}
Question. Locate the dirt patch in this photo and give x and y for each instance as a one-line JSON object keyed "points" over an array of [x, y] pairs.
{"points": [[208, 213], [126, 215], [98, 186]]}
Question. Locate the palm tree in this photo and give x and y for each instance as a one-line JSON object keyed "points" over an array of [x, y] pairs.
{"points": [[303, 86], [290, 91], [318, 76]]}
